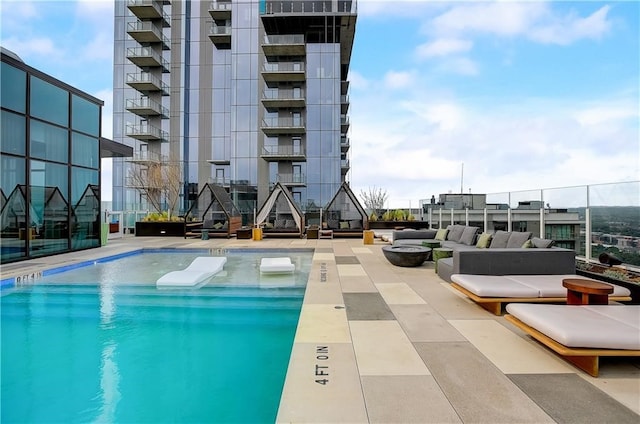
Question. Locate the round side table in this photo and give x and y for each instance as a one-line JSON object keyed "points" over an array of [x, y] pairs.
{"points": [[441, 253], [586, 292]]}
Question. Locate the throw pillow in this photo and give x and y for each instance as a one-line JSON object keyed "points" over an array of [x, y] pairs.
{"points": [[483, 241], [333, 223], [217, 225], [355, 224], [528, 244], [469, 235], [500, 239], [541, 243], [455, 233], [517, 238], [290, 224], [441, 234], [344, 225], [268, 225], [280, 223]]}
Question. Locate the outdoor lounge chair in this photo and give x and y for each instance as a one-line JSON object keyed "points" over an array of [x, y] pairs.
{"points": [[491, 291], [581, 334], [276, 266], [201, 269]]}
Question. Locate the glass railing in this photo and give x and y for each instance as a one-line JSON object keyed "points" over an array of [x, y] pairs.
{"points": [[282, 122], [286, 39], [136, 104], [589, 219], [282, 151], [283, 94], [308, 6], [147, 26], [283, 67], [145, 77]]}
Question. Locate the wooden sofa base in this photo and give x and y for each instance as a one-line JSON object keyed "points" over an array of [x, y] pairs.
{"points": [[587, 359], [495, 304]]}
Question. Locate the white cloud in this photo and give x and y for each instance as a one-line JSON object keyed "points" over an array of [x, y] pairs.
{"points": [[459, 65], [565, 30], [443, 47], [397, 79], [36, 46], [357, 81]]}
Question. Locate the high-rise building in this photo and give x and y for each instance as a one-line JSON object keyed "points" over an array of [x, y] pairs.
{"points": [[244, 94]]}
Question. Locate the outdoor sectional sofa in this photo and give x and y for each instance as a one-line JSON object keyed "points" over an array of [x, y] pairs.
{"points": [[500, 253]]}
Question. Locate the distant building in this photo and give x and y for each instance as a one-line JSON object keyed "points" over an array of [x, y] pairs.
{"points": [[50, 174], [560, 225]]}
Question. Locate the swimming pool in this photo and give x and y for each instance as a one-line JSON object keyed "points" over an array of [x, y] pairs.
{"points": [[116, 349]]}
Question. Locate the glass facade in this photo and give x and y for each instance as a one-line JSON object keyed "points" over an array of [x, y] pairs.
{"points": [[257, 94], [50, 159]]}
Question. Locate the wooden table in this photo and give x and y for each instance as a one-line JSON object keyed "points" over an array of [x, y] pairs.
{"points": [[243, 233], [586, 292]]}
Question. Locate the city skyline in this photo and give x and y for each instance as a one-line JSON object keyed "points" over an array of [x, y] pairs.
{"points": [[526, 95]]}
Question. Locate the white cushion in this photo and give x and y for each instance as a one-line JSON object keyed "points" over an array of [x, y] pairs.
{"points": [[551, 285], [588, 326], [198, 271], [493, 286], [276, 265]]}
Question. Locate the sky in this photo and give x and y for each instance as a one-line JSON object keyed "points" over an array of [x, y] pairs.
{"points": [[479, 96]]}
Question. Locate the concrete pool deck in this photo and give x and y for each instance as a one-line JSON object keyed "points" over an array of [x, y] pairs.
{"points": [[384, 344]]}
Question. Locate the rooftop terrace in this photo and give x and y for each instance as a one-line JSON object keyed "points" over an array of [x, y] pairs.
{"points": [[379, 343]]}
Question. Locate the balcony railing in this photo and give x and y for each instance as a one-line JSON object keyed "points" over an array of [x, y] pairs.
{"points": [[272, 126], [146, 107], [284, 45], [291, 179], [146, 57], [220, 9], [146, 132], [273, 7], [147, 32], [283, 152], [146, 82], [148, 9], [147, 157]]}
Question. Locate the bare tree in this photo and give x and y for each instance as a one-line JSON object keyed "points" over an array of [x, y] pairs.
{"points": [[374, 199], [159, 182]]}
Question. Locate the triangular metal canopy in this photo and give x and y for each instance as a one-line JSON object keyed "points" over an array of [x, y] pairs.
{"points": [[345, 207], [266, 208], [215, 205]]}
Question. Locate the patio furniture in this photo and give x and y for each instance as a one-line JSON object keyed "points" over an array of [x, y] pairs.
{"points": [[201, 269], [276, 265], [407, 256], [491, 291], [581, 334], [586, 292], [441, 253]]}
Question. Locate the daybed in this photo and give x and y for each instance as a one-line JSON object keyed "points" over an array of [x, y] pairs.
{"points": [[581, 334], [283, 226], [344, 228], [214, 228], [491, 291], [276, 265], [201, 269]]}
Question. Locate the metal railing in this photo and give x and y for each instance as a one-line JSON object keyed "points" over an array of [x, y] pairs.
{"points": [[309, 6]]}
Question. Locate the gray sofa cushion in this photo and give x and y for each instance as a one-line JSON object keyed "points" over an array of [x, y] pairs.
{"points": [[500, 239], [518, 238], [455, 232], [541, 243], [468, 236]]}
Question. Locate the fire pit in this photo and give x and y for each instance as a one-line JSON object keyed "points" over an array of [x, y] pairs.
{"points": [[406, 255]]}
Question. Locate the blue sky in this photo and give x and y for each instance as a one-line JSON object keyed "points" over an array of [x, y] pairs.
{"points": [[526, 95]]}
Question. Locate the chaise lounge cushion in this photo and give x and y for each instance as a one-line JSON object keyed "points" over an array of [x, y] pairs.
{"points": [[493, 286], [588, 326]]}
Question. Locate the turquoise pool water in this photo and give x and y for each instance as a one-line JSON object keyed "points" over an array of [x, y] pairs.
{"points": [[116, 349]]}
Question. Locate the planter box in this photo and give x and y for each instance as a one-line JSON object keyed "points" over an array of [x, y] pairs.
{"points": [[390, 225], [160, 229]]}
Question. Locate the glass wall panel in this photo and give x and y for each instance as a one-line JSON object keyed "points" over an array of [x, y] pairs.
{"points": [[49, 102], [85, 116], [14, 88], [85, 151], [85, 218], [49, 142], [12, 133], [13, 228]]}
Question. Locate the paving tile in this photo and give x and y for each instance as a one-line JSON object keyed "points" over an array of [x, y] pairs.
{"points": [[324, 293], [351, 270], [511, 353], [569, 399], [399, 294], [323, 257], [361, 250], [341, 260], [478, 391], [423, 324], [322, 324], [366, 306], [406, 399], [619, 378], [357, 285], [382, 348], [440, 296], [314, 394], [324, 249]]}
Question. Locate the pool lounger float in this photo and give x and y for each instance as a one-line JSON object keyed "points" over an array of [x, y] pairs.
{"points": [[199, 270], [276, 265]]}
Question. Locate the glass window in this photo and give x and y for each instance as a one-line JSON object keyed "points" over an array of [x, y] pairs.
{"points": [[13, 138], [85, 150], [13, 201], [81, 180], [85, 116], [49, 102], [14, 93], [49, 142]]}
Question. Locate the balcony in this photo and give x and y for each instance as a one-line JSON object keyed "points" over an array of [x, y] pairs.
{"points": [[345, 165], [220, 10], [145, 82], [275, 99], [219, 161], [146, 158], [345, 144], [146, 57], [310, 7], [148, 9], [344, 104], [344, 124], [291, 180], [221, 181], [146, 107], [279, 153], [146, 132], [220, 36], [147, 32], [284, 45], [283, 71], [276, 126]]}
